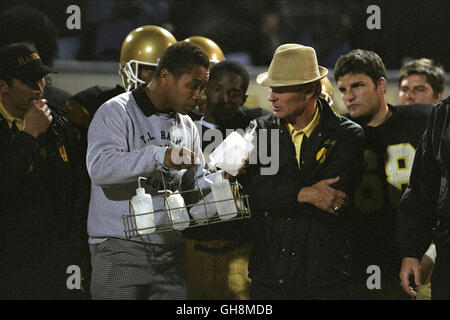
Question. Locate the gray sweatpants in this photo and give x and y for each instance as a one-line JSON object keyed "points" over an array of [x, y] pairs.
{"points": [[124, 269]]}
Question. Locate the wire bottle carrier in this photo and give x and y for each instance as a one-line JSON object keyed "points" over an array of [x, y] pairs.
{"points": [[194, 197]]}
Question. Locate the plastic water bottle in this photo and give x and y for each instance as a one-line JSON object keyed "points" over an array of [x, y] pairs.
{"points": [[230, 155], [143, 209], [177, 210], [198, 211], [223, 197]]}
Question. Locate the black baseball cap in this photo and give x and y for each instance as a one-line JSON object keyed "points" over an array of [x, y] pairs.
{"points": [[22, 61]]}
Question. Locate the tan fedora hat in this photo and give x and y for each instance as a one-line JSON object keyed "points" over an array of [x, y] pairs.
{"points": [[292, 64]]}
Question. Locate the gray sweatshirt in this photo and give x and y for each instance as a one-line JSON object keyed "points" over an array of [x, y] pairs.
{"points": [[127, 139]]}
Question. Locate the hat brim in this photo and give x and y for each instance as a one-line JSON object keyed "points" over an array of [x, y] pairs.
{"points": [[264, 80], [34, 74]]}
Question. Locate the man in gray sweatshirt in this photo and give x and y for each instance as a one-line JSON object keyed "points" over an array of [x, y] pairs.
{"points": [[143, 133]]}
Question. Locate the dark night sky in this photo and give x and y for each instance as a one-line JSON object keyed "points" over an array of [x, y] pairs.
{"points": [[409, 28]]}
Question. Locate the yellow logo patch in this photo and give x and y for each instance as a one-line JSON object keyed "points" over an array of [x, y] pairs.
{"points": [[320, 156], [322, 153], [26, 59], [63, 153]]}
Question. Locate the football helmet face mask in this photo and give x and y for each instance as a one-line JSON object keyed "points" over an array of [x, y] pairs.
{"points": [[211, 49], [142, 49]]}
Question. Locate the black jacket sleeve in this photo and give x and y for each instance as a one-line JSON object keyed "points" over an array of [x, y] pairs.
{"points": [[17, 153], [278, 193], [417, 207]]}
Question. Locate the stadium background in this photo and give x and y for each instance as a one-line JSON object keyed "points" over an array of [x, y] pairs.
{"points": [[249, 31]]}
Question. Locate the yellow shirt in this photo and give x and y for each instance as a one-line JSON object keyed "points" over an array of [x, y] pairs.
{"points": [[10, 119], [297, 135]]}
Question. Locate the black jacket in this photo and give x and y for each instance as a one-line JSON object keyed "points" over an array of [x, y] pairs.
{"points": [[39, 184], [427, 198], [298, 246]]}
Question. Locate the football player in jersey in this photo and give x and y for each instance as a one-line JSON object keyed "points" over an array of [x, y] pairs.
{"points": [[392, 133], [217, 256], [216, 55], [421, 81]]}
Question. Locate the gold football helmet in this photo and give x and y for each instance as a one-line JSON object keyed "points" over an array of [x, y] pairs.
{"points": [[211, 49], [141, 50], [327, 91]]}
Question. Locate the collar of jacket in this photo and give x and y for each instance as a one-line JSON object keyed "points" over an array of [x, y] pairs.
{"points": [[328, 119], [365, 126], [328, 124], [145, 104]]}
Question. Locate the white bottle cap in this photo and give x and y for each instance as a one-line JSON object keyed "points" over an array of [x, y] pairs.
{"points": [[249, 137], [140, 191], [218, 177]]}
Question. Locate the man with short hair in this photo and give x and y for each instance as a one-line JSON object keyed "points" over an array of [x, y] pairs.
{"points": [[142, 133], [39, 170], [139, 55], [217, 255], [215, 55], [392, 136], [225, 95], [299, 217], [421, 81]]}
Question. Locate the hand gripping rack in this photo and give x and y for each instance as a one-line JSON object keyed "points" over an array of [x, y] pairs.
{"points": [[243, 210]]}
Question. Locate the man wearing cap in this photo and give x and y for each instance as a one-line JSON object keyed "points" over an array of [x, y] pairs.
{"points": [[301, 212], [38, 169]]}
